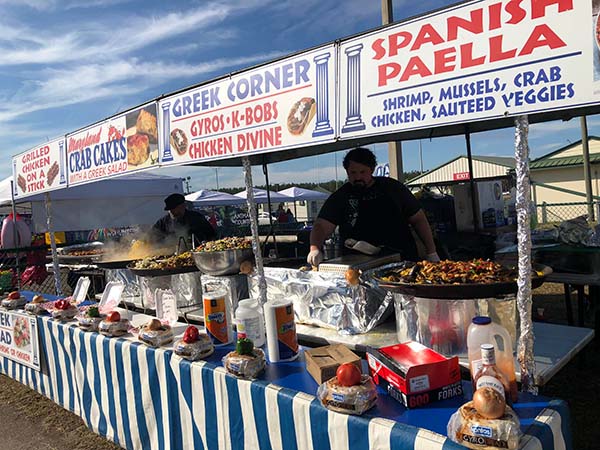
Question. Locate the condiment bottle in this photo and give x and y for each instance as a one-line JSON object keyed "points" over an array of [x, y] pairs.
{"points": [[488, 375], [483, 331], [250, 322]]}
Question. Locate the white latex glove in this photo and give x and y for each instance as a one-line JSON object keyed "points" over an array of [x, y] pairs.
{"points": [[315, 257], [433, 257]]}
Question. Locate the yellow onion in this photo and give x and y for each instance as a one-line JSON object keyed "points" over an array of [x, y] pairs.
{"points": [[489, 403]]}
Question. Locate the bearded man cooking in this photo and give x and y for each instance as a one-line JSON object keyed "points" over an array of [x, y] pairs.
{"points": [[378, 210]]}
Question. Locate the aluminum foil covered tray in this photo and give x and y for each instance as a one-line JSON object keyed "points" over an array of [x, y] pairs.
{"points": [[326, 300]]}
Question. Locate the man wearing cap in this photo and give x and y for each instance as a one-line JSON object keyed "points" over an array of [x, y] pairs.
{"points": [[182, 222]]}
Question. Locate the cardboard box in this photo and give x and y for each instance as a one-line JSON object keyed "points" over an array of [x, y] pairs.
{"points": [[414, 374], [323, 362]]}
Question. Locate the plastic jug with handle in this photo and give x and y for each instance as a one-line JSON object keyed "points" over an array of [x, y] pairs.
{"points": [[483, 331]]}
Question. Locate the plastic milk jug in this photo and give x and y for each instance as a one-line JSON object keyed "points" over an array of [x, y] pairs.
{"points": [[483, 331]]}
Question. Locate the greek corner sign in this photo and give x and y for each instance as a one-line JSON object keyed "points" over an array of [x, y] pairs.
{"points": [[39, 169], [121, 144], [289, 103], [476, 61], [19, 339]]}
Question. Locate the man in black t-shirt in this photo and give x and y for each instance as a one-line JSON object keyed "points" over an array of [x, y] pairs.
{"points": [[377, 210], [181, 221]]}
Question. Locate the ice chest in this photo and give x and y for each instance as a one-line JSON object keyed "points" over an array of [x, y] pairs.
{"points": [[323, 362], [414, 374]]}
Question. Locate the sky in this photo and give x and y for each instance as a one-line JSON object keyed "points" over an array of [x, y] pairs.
{"points": [[65, 64]]}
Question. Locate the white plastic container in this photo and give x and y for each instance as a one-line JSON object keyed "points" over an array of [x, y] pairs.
{"points": [[483, 331], [280, 325], [250, 321]]}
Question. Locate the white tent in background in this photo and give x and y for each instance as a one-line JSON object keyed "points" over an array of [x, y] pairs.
{"points": [[297, 193], [260, 196], [205, 197], [136, 199]]}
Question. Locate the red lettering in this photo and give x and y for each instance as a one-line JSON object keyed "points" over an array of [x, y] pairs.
{"points": [[397, 41], [475, 25], [444, 60], [415, 66], [387, 72], [517, 13], [542, 36], [538, 7], [495, 19], [466, 57], [496, 51], [427, 34], [378, 48]]}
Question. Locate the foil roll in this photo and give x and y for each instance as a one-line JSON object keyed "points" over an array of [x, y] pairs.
{"points": [[261, 293], [326, 300], [524, 301]]}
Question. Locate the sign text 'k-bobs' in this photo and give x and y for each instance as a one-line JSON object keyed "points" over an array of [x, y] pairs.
{"points": [[284, 104]]}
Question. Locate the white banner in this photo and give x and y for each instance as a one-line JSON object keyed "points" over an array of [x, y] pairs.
{"points": [[19, 338], [475, 61], [286, 104], [39, 169], [122, 144]]}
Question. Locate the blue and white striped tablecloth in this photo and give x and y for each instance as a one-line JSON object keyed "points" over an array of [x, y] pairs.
{"points": [[144, 398]]}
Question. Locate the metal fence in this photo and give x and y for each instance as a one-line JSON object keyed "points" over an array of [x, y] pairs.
{"points": [[555, 213]]}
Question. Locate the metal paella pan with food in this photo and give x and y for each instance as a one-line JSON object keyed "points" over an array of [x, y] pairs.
{"points": [[157, 266], [477, 278]]}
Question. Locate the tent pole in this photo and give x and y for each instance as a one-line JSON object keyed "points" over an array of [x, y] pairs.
{"points": [[55, 266], [271, 230], [471, 181], [260, 271], [15, 233]]}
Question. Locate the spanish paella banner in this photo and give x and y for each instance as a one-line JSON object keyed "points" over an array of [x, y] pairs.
{"points": [[475, 61], [19, 338], [121, 144], [39, 169], [286, 104]]}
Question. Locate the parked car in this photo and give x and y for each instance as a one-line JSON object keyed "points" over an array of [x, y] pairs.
{"points": [[263, 218]]}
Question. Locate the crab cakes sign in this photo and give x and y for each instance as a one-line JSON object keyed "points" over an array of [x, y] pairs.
{"points": [[479, 60], [121, 144], [286, 104], [39, 169]]}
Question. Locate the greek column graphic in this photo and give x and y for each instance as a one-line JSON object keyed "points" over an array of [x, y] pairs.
{"points": [[63, 158], [167, 156], [353, 119], [322, 127]]}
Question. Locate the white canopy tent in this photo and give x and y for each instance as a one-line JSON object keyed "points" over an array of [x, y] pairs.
{"points": [[260, 196], [205, 197], [119, 202], [297, 193]]}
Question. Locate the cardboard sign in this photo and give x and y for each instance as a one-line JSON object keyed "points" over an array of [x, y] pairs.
{"points": [[19, 338], [166, 307]]}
